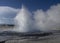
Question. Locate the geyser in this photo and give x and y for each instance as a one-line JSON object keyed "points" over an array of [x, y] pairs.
{"points": [[23, 20]]}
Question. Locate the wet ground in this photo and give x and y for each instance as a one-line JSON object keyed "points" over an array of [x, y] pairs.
{"points": [[46, 39], [55, 38]]}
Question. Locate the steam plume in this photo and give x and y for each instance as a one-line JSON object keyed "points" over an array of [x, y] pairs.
{"points": [[23, 20], [43, 20], [48, 20]]}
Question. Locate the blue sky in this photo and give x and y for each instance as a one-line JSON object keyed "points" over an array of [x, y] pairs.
{"points": [[39, 4], [8, 7], [30, 4]]}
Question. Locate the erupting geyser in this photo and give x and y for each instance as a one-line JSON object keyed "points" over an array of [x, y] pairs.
{"points": [[23, 20]]}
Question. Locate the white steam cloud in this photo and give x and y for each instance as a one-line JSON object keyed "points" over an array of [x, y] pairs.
{"points": [[7, 14], [48, 20], [43, 20], [23, 20]]}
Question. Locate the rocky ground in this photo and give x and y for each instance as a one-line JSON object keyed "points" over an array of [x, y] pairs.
{"points": [[47, 39], [54, 38]]}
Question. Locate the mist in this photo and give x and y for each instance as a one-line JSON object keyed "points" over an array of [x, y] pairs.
{"points": [[43, 20], [23, 20], [7, 14], [48, 20]]}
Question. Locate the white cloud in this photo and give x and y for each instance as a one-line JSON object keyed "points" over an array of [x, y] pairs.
{"points": [[7, 14], [48, 20]]}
